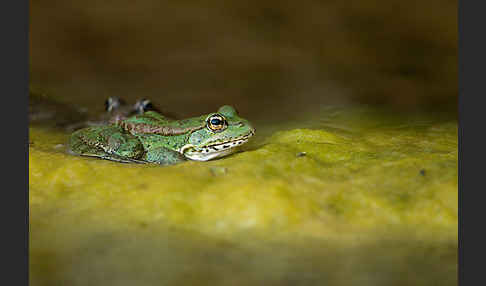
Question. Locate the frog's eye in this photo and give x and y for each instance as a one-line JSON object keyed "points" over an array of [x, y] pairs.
{"points": [[216, 123]]}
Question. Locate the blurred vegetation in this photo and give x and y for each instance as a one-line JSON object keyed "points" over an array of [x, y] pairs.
{"points": [[261, 56]]}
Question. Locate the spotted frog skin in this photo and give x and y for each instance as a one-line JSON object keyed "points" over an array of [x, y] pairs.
{"points": [[152, 138]]}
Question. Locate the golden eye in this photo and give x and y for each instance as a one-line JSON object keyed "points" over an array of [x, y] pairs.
{"points": [[216, 123]]}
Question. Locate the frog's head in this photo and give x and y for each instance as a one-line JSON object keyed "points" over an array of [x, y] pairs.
{"points": [[223, 131]]}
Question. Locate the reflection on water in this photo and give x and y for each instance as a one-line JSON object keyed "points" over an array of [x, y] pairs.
{"points": [[91, 256]]}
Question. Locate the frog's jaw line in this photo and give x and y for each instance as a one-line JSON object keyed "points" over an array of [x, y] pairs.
{"points": [[214, 150], [211, 151], [201, 156]]}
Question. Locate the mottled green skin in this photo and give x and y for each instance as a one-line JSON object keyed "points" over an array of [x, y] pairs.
{"points": [[153, 138]]}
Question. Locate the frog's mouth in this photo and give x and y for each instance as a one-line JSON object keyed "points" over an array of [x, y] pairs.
{"points": [[214, 150]]}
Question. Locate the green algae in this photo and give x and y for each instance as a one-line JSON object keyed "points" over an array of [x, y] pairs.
{"points": [[348, 196]]}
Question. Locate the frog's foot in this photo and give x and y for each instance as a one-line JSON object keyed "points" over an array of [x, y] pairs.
{"points": [[106, 142], [113, 103]]}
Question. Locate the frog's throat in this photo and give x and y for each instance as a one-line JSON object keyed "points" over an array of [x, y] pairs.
{"points": [[200, 156], [140, 128]]}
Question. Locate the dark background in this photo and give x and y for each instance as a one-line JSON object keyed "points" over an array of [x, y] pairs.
{"points": [[264, 57]]}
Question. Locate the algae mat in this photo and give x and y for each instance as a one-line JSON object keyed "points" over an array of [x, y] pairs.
{"points": [[345, 196]]}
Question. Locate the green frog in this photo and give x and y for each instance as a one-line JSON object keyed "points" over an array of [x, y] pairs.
{"points": [[153, 138]]}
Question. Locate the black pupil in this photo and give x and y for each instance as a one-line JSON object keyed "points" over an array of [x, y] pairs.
{"points": [[216, 121]]}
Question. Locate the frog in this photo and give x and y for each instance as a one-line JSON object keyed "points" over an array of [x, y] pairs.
{"points": [[153, 138], [116, 109]]}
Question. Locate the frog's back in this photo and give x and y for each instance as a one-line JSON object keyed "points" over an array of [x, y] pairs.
{"points": [[154, 123], [149, 117], [143, 123]]}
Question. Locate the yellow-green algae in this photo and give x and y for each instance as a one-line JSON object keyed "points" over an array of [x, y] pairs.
{"points": [[347, 197]]}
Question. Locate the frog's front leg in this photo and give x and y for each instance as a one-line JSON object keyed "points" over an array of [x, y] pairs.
{"points": [[163, 156], [107, 142]]}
